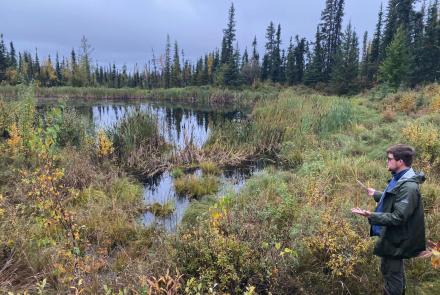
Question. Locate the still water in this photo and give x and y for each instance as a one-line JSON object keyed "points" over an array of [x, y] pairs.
{"points": [[177, 124]]}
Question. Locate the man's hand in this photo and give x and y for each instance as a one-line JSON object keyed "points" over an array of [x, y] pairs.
{"points": [[361, 212], [370, 191]]}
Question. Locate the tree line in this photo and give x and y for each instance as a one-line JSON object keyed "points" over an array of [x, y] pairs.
{"points": [[404, 51]]}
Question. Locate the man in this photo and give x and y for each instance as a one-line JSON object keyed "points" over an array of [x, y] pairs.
{"points": [[398, 220]]}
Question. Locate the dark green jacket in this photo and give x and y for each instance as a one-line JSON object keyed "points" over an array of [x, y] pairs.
{"points": [[403, 231]]}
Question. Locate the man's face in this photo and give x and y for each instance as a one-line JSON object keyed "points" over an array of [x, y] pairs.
{"points": [[392, 164]]}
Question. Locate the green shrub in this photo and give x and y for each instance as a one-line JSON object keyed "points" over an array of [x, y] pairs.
{"points": [[198, 211], [72, 129], [222, 262]]}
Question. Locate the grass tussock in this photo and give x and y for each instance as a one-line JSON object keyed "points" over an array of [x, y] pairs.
{"points": [[196, 187], [162, 210], [209, 168], [138, 145]]}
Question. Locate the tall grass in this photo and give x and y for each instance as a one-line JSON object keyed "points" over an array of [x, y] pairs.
{"points": [[300, 120], [139, 146], [134, 130]]}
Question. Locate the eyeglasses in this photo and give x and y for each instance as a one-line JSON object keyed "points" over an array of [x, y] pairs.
{"points": [[390, 159]]}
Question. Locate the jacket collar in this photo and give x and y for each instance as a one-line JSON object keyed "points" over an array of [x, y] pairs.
{"points": [[405, 177]]}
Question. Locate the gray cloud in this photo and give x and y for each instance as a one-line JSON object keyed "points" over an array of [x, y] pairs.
{"points": [[127, 31]]}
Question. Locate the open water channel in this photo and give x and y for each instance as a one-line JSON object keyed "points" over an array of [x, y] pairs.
{"points": [[175, 123]]}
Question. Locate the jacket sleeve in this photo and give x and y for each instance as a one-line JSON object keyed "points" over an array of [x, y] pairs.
{"points": [[404, 206], [377, 195]]}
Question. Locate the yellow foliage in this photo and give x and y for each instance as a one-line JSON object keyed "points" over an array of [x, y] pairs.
{"points": [[337, 245], [105, 145], [15, 140], [426, 140], [2, 211], [423, 136], [408, 102], [435, 258], [12, 75], [435, 104], [315, 191], [432, 90]]}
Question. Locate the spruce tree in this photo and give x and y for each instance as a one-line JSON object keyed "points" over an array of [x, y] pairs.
{"points": [[394, 69], [290, 64], [58, 69], [268, 59], [299, 53], [198, 73], [265, 67], [374, 54], [176, 71], [75, 81], [228, 72], [345, 73], [245, 58], [255, 55], [331, 34], [228, 37], [205, 73], [3, 59], [211, 67], [167, 64], [315, 69], [390, 26], [276, 61], [12, 56], [364, 60], [36, 67], [124, 77], [399, 14], [431, 46], [417, 69]]}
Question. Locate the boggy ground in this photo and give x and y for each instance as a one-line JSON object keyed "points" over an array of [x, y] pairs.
{"points": [[69, 202]]}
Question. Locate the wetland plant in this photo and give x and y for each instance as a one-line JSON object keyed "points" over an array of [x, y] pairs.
{"points": [[196, 187], [162, 210]]}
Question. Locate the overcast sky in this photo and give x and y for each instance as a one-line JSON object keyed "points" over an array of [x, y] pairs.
{"points": [[126, 31]]}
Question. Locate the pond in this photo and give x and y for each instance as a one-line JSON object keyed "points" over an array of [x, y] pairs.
{"points": [[177, 124]]}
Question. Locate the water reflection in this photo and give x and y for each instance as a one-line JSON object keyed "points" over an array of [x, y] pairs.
{"points": [[175, 124], [160, 189]]}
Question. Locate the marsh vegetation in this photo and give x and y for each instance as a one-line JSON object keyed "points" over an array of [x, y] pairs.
{"points": [[72, 197]]}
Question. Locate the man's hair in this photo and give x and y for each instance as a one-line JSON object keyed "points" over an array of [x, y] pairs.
{"points": [[402, 152]]}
